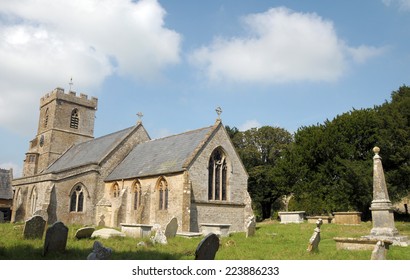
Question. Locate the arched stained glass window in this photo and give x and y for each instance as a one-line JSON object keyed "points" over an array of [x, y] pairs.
{"points": [[217, 176]]}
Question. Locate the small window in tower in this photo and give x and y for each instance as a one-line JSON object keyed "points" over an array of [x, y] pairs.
{"points": [[74, 119], [46, 118]]}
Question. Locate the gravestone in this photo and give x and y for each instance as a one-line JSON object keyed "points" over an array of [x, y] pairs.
{"points": [[107, 233], [315, 239], [41, 213], [159, 237], [84, 232], [56, 238], [34, 228], [207, 248], [379, 252], [171, 228], [251, 227], [99, 252]]}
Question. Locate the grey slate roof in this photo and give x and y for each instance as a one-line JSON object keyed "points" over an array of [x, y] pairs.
{"points": [[6, 190], [90, 152], [160, 156]]}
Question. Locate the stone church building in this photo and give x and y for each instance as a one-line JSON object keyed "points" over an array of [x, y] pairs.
{"points": [[126, 177]]}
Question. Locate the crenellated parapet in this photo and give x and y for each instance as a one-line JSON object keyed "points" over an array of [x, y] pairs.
{"points": [[71, 96]]}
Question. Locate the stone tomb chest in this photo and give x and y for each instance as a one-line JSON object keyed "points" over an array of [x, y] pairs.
{"points": [[292, 217], [136, 230]]}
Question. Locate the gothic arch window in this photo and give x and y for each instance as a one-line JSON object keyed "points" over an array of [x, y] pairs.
{"points": [[115, 190], [77, 199], [217, 175], [33, 200], [46, 118], [136, 195], [74, 119], [163, 190]]}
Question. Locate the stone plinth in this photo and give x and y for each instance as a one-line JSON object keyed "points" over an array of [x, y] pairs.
{"points": [[218, 229], [325, 219], [349, 243], [136, 230], [292, 217], [347, 218]]}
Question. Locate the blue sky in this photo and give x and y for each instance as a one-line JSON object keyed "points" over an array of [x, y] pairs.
{"points": [[264, 62]]}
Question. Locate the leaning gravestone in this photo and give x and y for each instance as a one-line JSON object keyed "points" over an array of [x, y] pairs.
{"points": [[171, 228], [34, 228], [251, 227], [56, 238], [379, 252], [84, 232], [207, 248], [315, 239], [99, 252]]}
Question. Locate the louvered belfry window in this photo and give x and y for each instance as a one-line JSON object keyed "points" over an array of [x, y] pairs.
{"points": [[74, 119]]}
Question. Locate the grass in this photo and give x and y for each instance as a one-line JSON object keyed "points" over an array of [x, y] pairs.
{"points": [[272, 241]]}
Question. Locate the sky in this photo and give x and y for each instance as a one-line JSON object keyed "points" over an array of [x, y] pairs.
{"points": [[286, 64]]}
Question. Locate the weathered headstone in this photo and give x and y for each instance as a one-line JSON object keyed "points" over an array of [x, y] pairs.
{"points": [[159, 237], [171, 228], [56, 238], [251, 227], [84, 232], [379, 252], [99, 252], [34, 228], [315, 239], [41, 213], [207, 248]]}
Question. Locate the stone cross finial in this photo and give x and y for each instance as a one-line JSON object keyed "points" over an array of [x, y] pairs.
{"points": [[140, 115], [219, 112]]}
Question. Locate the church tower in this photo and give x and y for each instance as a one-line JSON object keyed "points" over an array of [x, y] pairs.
{"points": [[65, 119]]}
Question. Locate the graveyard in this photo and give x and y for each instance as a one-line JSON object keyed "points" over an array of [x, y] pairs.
{"points": [[272, 241]]}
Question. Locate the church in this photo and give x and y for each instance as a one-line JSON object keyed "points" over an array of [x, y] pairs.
{"points": [[127, 177]]}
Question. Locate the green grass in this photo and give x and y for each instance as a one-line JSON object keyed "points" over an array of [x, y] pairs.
{"points": [[273, 241]]}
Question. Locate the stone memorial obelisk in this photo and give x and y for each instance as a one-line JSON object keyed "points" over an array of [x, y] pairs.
{"points": [[381, 207]]}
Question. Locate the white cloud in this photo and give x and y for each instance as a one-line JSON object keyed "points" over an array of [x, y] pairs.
{"points": [[282, 46], [43, 43], [403, 5], [363, 53], [249, 124]]}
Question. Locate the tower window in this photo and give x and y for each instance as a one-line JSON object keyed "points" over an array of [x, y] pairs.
{"points": [[46, 118], [217, 176], [74, 119]]}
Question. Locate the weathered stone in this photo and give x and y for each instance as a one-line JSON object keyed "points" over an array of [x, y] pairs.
{"points": [[347, 218], [159, 237], [56, 238], [136, 230], [107, 233], [34, 228], [84, 232], [99, 252], [315, 239], [351, 243], [41, 213], [171, 228], [207, 248], [292, 217], [381, 207], [251, 227], [379, 252]]}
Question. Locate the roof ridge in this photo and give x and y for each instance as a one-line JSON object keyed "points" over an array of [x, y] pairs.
{"points": [[179, 134]]}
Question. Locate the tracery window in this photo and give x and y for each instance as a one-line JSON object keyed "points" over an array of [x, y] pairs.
{"points": [[163, 194], [33, 199], [217, 176], [74, 119], [77, 199], [115, 190], [137, 195]]}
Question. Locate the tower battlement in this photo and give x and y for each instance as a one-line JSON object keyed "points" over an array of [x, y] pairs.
{"points": [[71, 96]]}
